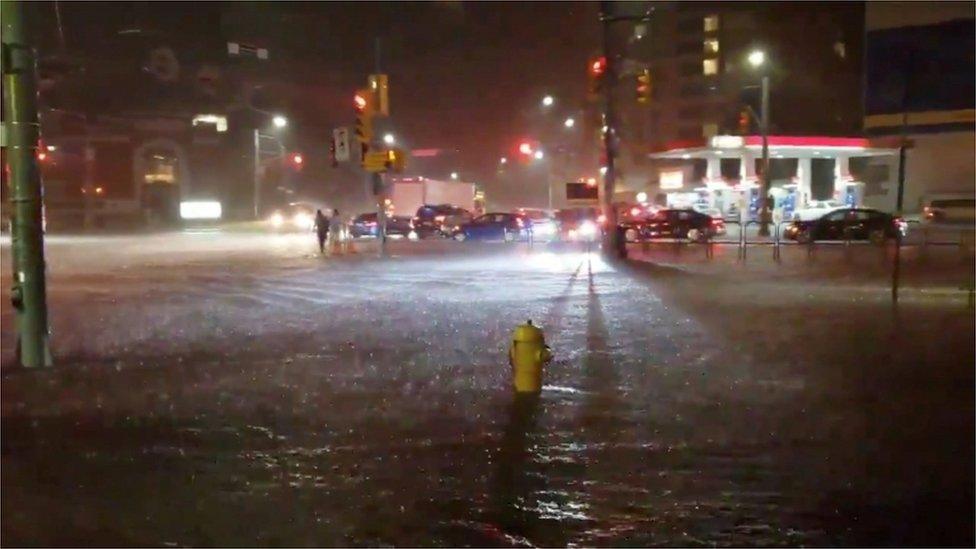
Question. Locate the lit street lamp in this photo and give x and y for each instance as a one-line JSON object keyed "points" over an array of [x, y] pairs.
{"points": [[547, 101], [569, 123], [278, 122], [757, 58], [454, 175], [503, 160], [389, 139], [538, 155]]}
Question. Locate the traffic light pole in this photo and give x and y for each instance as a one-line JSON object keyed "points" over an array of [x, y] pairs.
{"points": [[765, 213], [29, 293], [609, 136], [257, 172]]}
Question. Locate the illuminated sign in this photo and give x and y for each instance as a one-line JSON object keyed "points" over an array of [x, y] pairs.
{"points": [[672, 180], [727, 141]]}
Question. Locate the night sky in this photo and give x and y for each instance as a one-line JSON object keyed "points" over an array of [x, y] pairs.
{"points": [[463, 75]]}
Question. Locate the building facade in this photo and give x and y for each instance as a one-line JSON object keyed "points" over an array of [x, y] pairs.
{"points": [[920, 85]]}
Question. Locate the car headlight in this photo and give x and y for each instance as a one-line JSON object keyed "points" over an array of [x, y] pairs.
{"points": [[587, 229], [276, 219], [301, 219]]}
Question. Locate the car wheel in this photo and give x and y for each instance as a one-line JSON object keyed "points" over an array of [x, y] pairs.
{"points": [[508, 236], [877, 236], [460, 236], [694, 235], [804, 236], [630, 235]]}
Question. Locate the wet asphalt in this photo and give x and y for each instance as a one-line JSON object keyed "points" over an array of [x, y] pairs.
{"points": [[216, 389]]}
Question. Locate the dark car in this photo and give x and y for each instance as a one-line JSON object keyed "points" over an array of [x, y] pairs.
{"points": [[673, 223], [494, 226], [365, 225], [848, 224], [439, 220]]}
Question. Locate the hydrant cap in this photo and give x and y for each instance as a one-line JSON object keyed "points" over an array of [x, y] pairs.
{"points": [[527, 332]]}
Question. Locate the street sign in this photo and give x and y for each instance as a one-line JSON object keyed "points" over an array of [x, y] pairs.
{"points": [[340, 140], [375, 161]]}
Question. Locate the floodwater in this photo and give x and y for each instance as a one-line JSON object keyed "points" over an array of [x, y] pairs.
{"points": [[260, 395]]}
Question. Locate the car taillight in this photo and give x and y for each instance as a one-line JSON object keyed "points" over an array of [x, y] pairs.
{"points": [[601, 219], [635, 211], [520, 222]]}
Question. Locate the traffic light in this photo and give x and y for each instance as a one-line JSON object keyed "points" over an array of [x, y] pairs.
{"points": [[644, 87], [296, 160], [744, 122], [365, 109], [396, 160], [596, 70], [379, 84]]}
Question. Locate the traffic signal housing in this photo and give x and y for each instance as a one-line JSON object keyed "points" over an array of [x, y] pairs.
{"points": [[595, 72], [644, 87], [744, 124], [364, 103]]}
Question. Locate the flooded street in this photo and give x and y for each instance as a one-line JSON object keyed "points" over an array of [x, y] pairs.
{"points": [[240, 390]]}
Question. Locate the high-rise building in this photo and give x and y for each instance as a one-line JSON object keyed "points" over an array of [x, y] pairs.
{"points": [[697, 54]]}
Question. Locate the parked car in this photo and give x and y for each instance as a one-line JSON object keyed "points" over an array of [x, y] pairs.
{"points": [[950, 211], [674, 223], [816, 209], [365, 225], [848, 223], [439, 220], [494, 226], [576, 224], [543, 223]]}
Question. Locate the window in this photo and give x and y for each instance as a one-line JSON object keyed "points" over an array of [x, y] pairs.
{"points": [[710, 67], [839, 215], [840, 49], [710, 46], [709, 129], [711, 23]]}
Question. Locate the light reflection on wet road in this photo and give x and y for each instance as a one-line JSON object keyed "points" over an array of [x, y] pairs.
{"points": [[262, 395]]}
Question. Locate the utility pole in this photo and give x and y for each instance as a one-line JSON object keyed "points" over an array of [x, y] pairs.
{"points": [[765, 211], [378, 183], [29, 293], [609, 135], [257, 172]]}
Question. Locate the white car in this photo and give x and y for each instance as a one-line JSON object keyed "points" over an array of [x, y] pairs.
{"points": [[816, 209]]}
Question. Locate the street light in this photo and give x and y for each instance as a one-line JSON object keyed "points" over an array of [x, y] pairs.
{"points": [[454, 175], [278, 122], [569, 123], [389, 139], [547, 101], [757, 58], [503, 160], [538, 155]]}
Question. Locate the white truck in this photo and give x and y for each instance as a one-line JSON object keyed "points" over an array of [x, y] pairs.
{"points": [[408, 194]]}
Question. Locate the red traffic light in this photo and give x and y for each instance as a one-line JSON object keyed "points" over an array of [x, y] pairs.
{"points": [[525, 148], [360, 102], [598, 66], [296, 159]]}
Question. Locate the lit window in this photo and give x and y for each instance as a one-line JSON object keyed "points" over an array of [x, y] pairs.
{"points": [[840, 49], [711, 45], [711, 23], [710, 66], [709, 129]]}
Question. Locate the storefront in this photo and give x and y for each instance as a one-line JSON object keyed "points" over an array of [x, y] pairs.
{"points": [[733, 167]]}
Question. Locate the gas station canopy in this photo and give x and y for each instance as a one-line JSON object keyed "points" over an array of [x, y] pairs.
{"points": [[780, 146]]}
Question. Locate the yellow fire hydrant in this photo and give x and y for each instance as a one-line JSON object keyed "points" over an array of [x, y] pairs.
{"points": [[528, 354]]}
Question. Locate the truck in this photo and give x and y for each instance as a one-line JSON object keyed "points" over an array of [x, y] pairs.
{"points": [[408, 194]]}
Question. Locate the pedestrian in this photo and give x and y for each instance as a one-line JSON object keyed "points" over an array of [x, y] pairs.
{"points": [[335, 232], [321, 229]]}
